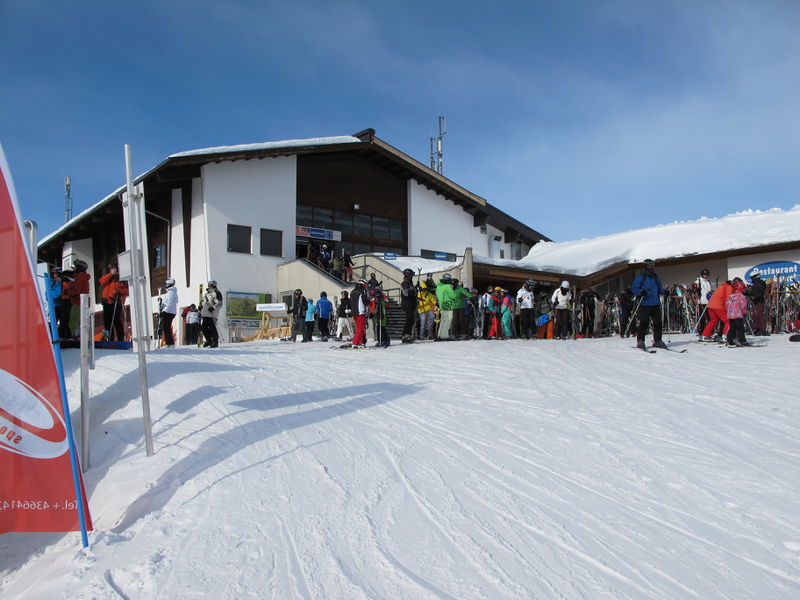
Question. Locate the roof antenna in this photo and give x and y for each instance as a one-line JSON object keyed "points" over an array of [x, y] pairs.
{"points": [[436, 147], [68, 205]]}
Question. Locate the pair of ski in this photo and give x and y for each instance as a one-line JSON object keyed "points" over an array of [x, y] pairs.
{"points": [[651, 351]]}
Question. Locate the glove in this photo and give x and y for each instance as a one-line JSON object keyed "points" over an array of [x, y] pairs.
{"points": [[708, 296], [211, 309], [642, 294]]}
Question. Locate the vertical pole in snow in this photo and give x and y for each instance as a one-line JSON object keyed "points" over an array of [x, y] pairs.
{"points": [[136, 264], [86, 339]]}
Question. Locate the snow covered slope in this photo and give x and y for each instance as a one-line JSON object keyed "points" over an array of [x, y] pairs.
{"points": [[492, 470]]}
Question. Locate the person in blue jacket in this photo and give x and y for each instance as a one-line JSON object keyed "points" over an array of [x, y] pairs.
{"points": [[324, 311], [648, 288], [311, 311]]}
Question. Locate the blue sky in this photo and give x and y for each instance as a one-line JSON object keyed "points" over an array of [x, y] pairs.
{"points": [[579, 118]]}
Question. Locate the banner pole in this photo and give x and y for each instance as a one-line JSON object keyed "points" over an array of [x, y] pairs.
{"points": [[73, 452]]}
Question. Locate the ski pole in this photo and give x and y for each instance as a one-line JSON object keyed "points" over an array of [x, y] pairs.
{"points": [[635, 310]]}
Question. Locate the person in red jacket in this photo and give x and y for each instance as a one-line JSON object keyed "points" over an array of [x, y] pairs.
{"points": [[717, 312], [74, 283], [113, 299]]}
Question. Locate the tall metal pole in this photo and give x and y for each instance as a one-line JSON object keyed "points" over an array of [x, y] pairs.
{"points": [[86, 340], [136, 267]]}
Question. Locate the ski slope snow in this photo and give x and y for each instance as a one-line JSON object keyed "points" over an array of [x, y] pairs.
{"points": [[489, 470]]}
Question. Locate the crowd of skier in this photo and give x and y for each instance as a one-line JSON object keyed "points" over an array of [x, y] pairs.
{"points": [[446, 310]]}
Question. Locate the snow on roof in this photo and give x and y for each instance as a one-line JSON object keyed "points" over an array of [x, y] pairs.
{"points": [[343, 139], [746, 229]]}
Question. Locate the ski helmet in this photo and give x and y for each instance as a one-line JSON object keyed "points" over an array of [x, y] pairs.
{"points": [[408, 272], [649, 263], [323, 294], [705, 272], [565, 284], [298, 291], [447, 277], [363, 282], [489, 288], [212, 283], [454, 281], [756, 272], [79, 266], [169, 282], [530, 282]]}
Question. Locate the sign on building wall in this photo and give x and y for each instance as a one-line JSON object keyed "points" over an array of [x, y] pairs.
{"points": [[779, 268], [319, 234]]}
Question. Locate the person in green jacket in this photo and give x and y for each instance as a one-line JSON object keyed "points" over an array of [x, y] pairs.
{"points": [[445, 294], [459, 326]]}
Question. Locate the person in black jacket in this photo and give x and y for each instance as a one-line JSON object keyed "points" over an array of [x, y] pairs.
{"points": [[626, 302], [298, 312], [757, 292], [408, 304], [359, 304]]}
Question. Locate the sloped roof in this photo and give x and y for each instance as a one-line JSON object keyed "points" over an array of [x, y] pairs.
{"points": [[185, 165]]}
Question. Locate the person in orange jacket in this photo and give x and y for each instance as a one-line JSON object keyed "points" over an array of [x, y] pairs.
{"points": [[74, 283], [717, 312], [113, 299]]}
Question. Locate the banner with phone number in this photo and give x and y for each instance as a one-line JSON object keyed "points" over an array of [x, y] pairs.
{"points": [[37, 490]]}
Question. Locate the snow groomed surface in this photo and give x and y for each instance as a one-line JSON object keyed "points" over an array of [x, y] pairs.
{"points": [[542, 469]]}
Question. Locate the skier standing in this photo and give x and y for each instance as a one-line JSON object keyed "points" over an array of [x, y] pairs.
{"points": [[647, 285], [758, 291], [425, 306], [702, 285], [169, 308], [408, 304], [560, 301], [525, 301], [445, 296], [212, 300], [298, 312], [310, 317], [343, 313], [324, 311], [736, 308], [359, 302]]}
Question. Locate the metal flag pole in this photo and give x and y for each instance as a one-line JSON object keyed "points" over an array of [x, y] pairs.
{"points": [[135, 248]]}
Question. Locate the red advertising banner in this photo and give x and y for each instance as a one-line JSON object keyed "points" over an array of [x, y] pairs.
{"points": [[37, 490]]}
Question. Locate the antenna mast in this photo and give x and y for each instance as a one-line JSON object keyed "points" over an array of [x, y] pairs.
{"points": [[68, 205], [436, 147]]}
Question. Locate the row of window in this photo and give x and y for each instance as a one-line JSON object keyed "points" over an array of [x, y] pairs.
{"points": [[240, 240], [350, 223]]}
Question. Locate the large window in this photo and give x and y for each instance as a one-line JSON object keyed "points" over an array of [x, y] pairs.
{"points": [[239, 239], [343, 222], [305, 215], [271, 242], [363, 225]]}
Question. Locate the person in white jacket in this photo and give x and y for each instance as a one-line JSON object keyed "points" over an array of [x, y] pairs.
{"points": [[561, 299], [169, 307], [525, 301]]}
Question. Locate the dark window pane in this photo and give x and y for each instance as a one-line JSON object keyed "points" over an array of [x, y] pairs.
{"points": [[238, 239], [380, 227], [323, 218], [361, 248], [395, 229], [304, 216], [344, 222], [363, 225], [271, 242]]}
